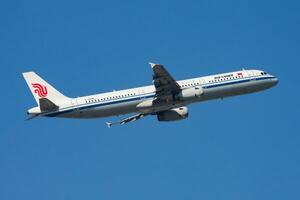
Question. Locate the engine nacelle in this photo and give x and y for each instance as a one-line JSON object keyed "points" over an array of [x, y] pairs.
{"points": [[173, 114], [190, 93]]}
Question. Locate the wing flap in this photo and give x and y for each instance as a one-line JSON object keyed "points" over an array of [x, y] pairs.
{"points": [[164, 83]]}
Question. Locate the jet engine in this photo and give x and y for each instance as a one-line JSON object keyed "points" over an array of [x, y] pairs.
{"points": [[190, 93], [173, 114]]}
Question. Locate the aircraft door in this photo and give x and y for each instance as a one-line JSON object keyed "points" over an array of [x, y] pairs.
{"points": [[250, 74], [141, 92], [74, 102]]}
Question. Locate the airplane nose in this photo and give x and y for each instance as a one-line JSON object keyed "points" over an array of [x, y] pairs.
{"points": [[275, 80]]}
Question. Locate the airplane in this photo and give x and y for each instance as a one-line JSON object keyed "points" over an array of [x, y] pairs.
{"points": [[166, 98]]}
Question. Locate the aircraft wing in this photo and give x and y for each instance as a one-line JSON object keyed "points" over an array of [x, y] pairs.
{"points": [[164, 83], [166, 87], [124, 121]]}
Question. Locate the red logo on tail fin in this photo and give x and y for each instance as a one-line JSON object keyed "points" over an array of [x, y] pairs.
{"points": [[40, 89]]}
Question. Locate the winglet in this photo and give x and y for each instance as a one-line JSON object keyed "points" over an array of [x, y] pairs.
{"points": [[108, 124], [152, 64]]}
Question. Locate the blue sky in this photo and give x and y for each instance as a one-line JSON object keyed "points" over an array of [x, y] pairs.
{"points": [[245, 147]]}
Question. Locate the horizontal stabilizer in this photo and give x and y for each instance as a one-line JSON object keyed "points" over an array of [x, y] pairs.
{"points": [[47, 106]]}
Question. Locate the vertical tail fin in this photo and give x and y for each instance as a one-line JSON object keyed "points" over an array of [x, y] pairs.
{"points": [[41, 89]]}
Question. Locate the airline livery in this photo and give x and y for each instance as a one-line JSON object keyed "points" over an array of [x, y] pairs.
{"points": [[166, 98]]}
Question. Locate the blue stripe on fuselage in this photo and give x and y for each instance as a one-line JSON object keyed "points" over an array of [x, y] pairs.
{"points": [[150, 95], [235, 82], [101, 104]]}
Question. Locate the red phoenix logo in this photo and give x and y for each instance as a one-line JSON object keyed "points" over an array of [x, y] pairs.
{"points": [[40, 89]]}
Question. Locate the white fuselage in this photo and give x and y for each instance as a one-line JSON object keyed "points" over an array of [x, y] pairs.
{"points": [[126, 101]]}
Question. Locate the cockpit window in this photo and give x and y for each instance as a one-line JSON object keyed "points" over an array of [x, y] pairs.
{"points": [[263, 73]]}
